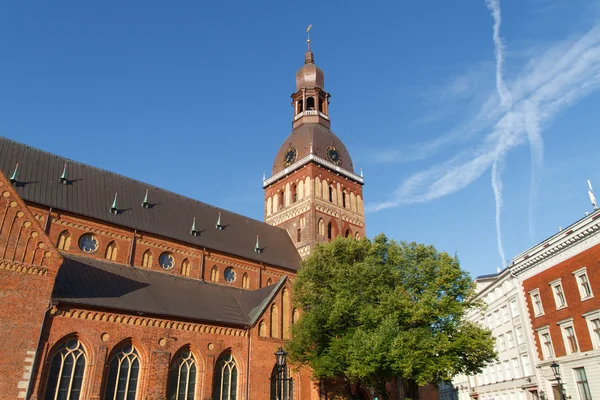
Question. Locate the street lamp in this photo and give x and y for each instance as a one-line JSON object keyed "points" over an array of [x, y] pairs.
{"points": [[280, 356], [556, 371]]}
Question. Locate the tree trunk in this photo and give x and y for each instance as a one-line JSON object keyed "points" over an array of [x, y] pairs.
{"points": [[411, 389], [356, 394]]}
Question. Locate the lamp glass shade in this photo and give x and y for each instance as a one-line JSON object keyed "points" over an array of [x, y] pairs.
{"points": [[280, 357], [555, 369]]}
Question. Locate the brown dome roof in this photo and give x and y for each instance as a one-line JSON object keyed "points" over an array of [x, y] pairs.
{"points": [[321, 138], [310, 76]]}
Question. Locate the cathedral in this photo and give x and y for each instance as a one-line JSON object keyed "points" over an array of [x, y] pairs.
{"points": [[119, 290]]}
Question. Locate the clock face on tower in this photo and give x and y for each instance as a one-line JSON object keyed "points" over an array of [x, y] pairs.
{"points": [[290, 156], [334, 155]]}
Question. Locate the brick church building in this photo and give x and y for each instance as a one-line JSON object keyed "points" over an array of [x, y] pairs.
{"points": [[115, 289]]}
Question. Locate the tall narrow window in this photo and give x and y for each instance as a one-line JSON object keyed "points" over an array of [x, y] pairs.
{"points": [[294, 193], [66, 372], [123, 374], [295, 315], [559, 295], [329, 231], [182, 377], [111, 251], [321, 227], [225, 378], [344, 199], [214, 274], [582, 384], [285, 313], [269, 282], [331, 194], [287, 384], [547, 348], [302, 220], [281, 199], [348, 233], [185, 267], [262, 329], [310, 103], [300, 106], [64, 241], [245, 281], [299, 235], [570, 339], [595, 325], [536, 302], [147, 259], [274, 321]]}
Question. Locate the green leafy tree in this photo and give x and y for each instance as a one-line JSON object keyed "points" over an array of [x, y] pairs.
{"points": [[381, 312]]}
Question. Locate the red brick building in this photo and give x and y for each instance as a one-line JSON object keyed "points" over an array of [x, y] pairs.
{"points": [[115, 289], [561, 284]]}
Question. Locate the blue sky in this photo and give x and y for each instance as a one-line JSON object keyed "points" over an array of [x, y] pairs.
{"points": [[461, 133]]}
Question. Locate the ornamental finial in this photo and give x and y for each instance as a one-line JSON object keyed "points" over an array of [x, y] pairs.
{"points": [[194, 231], [218, 225], [114, 209], [13, 179], [308, 59], [63, 177], [146, 203]]}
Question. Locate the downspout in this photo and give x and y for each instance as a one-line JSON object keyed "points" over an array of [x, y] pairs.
{"points": [[202, 264], [248, 366], [132, 248], [47, 224], [36, 356]]}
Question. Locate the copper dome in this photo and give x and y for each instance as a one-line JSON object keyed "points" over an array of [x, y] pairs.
{"points": [[310, 76], [321, 139]]}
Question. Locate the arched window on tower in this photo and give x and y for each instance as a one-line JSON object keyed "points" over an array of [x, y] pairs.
{"points": [[321, 227], [294, 193], [147, 259], [66, 371], [285, 313], [348, 233], [344, 199], [331, 194], [281, 199], [274, 322], [111, 251], [329, 229], [245, 281], [214, 274], [185, 267], [310, 103], [64, 241], [300, 106], [322, 105]]}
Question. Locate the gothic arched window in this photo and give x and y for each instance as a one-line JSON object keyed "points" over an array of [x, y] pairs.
{"points": [[331, 194], [262, 329], [310, 103], [124, 369], [147, 259], [329, 229], [344, 199], [287, 383], [66, 371], [274, 321], [64, 241], [225, 380], [269, 282], [182, 377], [300, 106], [285, 313], [214, 274], [321, 227], [245, 281], [111, 251], [295, 315], [294, 193], [348, 233], [185, 267]]}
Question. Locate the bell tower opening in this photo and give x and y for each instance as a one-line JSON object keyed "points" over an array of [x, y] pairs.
{"points": [[313, 191]]}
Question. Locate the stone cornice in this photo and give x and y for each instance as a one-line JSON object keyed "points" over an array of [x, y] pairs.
{"points": [[317, 160], [576, 238]]}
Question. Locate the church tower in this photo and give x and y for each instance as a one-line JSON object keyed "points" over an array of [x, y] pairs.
{"points": [[313, 191]]}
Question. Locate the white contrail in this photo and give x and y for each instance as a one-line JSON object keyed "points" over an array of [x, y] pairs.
{"points": [[497, 187], [506, 101], [536, 146]]}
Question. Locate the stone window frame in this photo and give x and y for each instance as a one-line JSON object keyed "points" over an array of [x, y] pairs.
{"points": [[532, 294], [564, 325], [557, 287], [510, 336], [505, 314], [589, 318], [520, 337], [542, 331], [514, 308], [577, 274], [501, 343]]}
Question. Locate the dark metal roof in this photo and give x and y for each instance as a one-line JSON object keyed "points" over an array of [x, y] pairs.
{"points": [[98, 283], [91, 192]]}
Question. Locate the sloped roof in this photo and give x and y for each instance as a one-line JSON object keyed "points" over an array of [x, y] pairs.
{"points": [[98, 283], [91, 191]]}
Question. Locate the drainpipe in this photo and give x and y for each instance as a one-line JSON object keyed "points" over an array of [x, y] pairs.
{"points": [[202, 264], [36, 356], [131, 248], [248, 366], [47, 224]]}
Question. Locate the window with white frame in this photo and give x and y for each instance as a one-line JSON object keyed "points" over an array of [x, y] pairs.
{"points": [[492, 374], [546, 343], [505, 316], [516, 365], [490, 321], [501, 343], [593, 323], [511, 339], [582, 384], [536, 302], [526, 365], [500, 372], [514, 310], [507, 371], [583, 283], [559, 294], [497, 318], [520, 337], [568, 334]]}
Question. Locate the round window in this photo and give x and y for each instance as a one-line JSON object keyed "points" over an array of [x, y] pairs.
{"points": [[166, 260], [229, 274], [88, 243]]}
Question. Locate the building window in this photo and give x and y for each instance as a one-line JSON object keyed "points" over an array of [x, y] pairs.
{"points": [[570, 340], [594, 328], [511, 339], [294, 193], [582, 384], [356, 236], [344, 199], [526, 365], [214, 274], [88, 243], [166, 260], [514, 309], [229, 275], [536, 301], [516, 367], [329, 231], [262, 329], [287, 384], [310, 103], [497, 318], [295, 315], [111, 251], [559, 294], [245, 281], [546, 343], [520, 338], [269, 282], [225, 381], [500, 372], [501, 343], [285, 313], [348, 233], [507, 370], [298, 235], [185, 267], [66, 372], [490, 321], [583, 283], [147, 259], [302, 221], [274, 322], [505, 316], [331, 194], [123, 374], [182, 377], [321, 227], [64, 241]]}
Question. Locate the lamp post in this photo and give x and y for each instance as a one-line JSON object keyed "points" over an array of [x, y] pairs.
{"points": [[556, 371], [280, 356]]}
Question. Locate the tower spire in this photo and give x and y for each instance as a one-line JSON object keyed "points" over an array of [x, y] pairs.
{"points": [[308, 57]]}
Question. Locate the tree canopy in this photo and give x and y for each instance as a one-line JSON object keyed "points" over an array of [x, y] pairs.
{"points": [[375, 311]]}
